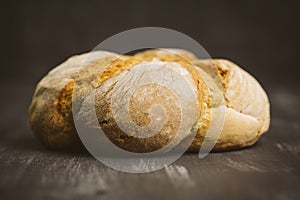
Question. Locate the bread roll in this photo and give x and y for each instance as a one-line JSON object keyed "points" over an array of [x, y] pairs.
{"points": [[215, 83]]}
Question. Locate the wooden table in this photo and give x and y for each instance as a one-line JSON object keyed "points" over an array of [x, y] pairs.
{"points": [[268, 170]]}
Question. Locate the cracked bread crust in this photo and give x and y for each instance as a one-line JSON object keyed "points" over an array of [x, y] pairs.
{"points": [[217, 81]]}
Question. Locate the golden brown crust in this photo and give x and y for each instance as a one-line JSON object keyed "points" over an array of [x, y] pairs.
{"points": [[247, 106], [50, 113], [54, 128], [162, 138], [204, 98], [51, 117]]}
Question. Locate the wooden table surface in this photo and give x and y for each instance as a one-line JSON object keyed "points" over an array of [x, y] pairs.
{"points": [[268, 170]]}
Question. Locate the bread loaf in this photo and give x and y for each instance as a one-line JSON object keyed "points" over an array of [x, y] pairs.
{"points": [[215, 82]]}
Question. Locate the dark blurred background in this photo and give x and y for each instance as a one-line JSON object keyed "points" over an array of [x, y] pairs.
{"points": [[261, 36]]}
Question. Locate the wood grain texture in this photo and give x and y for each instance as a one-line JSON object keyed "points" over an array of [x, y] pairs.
{"points": [[268, 170]]}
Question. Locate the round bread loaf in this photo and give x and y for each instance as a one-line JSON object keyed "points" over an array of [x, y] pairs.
{"points": [[215, 83]]}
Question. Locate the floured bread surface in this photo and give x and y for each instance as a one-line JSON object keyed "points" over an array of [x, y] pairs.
{"points": [[247, 114], [214, 82], [247, 105], [146, 98], [50, 113]]}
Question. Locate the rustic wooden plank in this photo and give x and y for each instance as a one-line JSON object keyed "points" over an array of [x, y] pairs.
{"points": [[269, 170]]}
